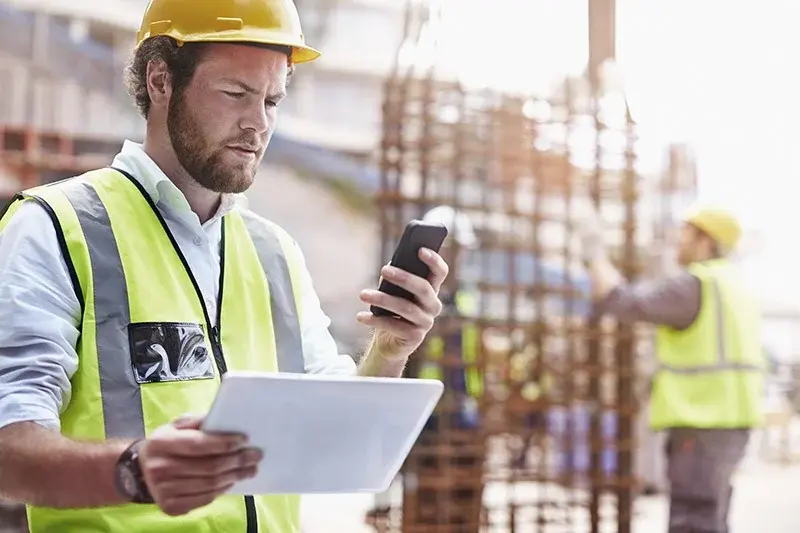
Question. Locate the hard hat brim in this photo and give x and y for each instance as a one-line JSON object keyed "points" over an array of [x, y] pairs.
{"points": [[301, 53]]}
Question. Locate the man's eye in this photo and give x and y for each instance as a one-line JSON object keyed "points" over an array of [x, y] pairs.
{"points": [[234, 95], [270, 103]]}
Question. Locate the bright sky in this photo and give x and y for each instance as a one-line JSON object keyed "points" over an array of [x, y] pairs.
{"points": [[720, 74]]}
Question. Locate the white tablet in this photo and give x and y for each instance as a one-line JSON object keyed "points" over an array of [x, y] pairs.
{"points": [[323, 434]]}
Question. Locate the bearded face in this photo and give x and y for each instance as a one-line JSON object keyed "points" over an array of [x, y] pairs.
{"points": [[220, 124], [220, 165]]}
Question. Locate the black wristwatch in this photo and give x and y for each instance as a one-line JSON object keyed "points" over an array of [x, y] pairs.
{"points": [[128, 476]]}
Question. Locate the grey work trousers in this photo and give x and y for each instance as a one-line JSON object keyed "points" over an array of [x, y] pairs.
{"points": [[700, 465]]}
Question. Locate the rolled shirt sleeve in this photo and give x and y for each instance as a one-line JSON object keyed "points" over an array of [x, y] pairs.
{"points": [[673, 302], [39, 313]]}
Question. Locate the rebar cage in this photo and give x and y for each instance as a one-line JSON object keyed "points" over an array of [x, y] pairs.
{"points": [[551, 446]]}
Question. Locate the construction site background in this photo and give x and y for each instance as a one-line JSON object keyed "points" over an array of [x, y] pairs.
{"points": [[592, 99]]}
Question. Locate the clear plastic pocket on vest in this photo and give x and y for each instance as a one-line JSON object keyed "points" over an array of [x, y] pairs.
{"points": [[166, 351]]}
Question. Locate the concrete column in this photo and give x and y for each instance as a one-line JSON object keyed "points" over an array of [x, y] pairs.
{"points": [[602, 35], [38, 59]]}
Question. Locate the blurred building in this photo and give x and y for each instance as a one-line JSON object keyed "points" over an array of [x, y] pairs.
{"points": [[60, 65], [63, 107], [336, 101]]}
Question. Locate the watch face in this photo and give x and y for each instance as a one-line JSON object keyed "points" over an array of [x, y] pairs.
{"points": [[128, 482]]}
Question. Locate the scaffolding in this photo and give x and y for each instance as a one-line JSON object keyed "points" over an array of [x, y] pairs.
{"points": [[56, 90], [553, 449], [29, 157]]}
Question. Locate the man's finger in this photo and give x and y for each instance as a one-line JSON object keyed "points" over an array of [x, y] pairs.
{"points": [[194, 443], [188, 421], [420, 287], [199, 486], [438, 267], [172, 467], [397, 328], [180, 505], [408, 311], [380, 278]]}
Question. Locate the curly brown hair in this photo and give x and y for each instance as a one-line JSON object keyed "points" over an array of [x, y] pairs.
{"points": [[181, 62]]}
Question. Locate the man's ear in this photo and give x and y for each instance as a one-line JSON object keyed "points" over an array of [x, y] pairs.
{"points": [[159, 83]]}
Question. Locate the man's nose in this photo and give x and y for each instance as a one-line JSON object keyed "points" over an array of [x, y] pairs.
{"points": [[256, 119]]}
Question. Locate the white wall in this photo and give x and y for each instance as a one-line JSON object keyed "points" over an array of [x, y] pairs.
{"points": [[336, 101], [362, 39]]}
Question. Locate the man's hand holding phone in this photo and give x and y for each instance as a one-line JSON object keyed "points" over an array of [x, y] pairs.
{"points": [[406, 303]]}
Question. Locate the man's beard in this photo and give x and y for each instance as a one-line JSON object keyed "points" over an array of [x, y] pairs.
{"points": [[204, 164]]}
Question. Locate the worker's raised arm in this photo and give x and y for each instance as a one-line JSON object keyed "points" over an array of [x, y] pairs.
{"points": [[673, 302]]}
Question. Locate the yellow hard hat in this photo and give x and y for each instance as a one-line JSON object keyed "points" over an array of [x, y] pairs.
{"points": [[719, 224], [273, 22]]}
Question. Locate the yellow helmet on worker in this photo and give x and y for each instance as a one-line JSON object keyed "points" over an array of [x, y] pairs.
{"points": [[266, 22], [718, 223]]}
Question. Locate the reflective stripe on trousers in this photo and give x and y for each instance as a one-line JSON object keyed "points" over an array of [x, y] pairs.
{"points": [[123, 417]]}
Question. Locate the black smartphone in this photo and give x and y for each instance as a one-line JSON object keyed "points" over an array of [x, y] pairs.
{"points": [[418, 234]]}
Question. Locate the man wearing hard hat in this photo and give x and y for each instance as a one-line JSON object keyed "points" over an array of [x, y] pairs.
{"points": [[453, 340], [707, 392], [128, 292]]}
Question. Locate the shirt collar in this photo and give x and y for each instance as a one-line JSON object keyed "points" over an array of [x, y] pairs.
{"points": [[133, 159]]}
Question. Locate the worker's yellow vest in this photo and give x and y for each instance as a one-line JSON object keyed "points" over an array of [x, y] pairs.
{"points": [[711, 374], [431, 368], [139, 299]]}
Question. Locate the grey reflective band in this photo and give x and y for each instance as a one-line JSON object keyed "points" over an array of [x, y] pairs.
{"points": [[121, 396], [285, 320], [722, 363]]}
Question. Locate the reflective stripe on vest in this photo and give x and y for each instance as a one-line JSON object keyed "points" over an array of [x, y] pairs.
{"points": [[110, 301], [285, 315], [711, 373], [722, 363]]}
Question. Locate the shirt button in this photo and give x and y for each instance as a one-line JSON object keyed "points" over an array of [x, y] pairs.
{"points": [[198, 241]]}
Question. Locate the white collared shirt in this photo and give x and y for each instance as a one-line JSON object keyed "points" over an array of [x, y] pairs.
{"points": [[40, 314]]}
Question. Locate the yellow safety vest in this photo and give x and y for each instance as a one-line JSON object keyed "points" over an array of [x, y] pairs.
{"points": [[711, 374], [140, 299], [431, 368]]}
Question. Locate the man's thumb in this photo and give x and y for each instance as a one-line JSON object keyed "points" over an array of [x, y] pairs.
{"points": [[188, 421]]}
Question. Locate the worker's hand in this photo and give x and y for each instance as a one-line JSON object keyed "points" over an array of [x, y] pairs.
{"points": [[589, 227], [396, 339], [186, 468]]}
